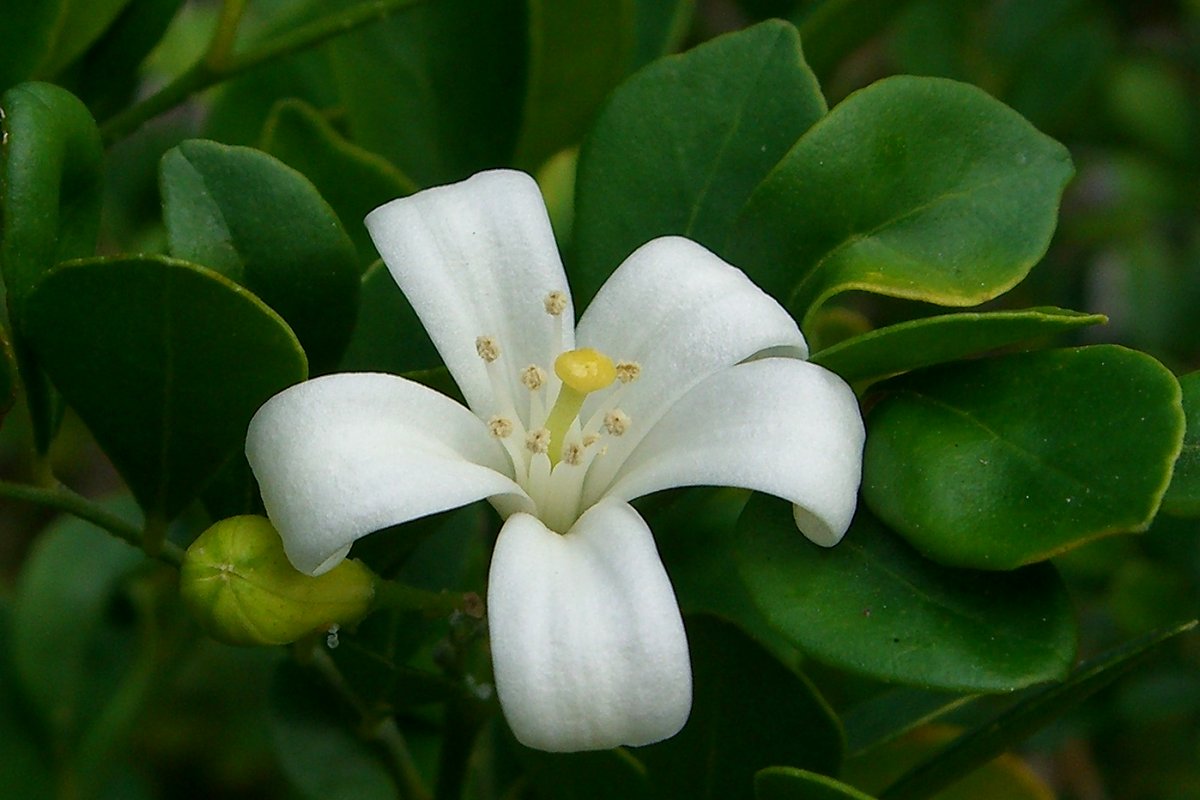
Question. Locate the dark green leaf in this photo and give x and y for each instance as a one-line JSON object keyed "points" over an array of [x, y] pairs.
{"points": [[661, 28], [259, 222], [681, 145], [989, 740], [935, 340], [436, 90], [80, 23], [833, 29], [388, 336], [165, 362], [604, 775], [577, 53], [315, 743], [1183, 495], [1005, 461], [26, 37], [748, 712], [789, 783], [919, 188], [893, 713], [873, 606], [352, 180]]}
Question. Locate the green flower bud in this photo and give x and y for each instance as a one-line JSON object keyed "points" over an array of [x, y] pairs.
{"points": [[241, 588]]}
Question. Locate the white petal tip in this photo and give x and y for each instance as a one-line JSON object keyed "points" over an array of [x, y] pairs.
{"points": [[818, 530]]}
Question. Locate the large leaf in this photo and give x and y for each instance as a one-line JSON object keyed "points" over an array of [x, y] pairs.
{"points": [[1183, 495], [789, 783], [353, 181], [934, 340], [1005, 461], [259, 222], [919, 188], [165, 362], [683, 143], [578, 52], [993, 737], [873, 606], [749, 712]]}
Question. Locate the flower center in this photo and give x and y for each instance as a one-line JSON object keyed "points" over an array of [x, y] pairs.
{"points": [[550, 446]]}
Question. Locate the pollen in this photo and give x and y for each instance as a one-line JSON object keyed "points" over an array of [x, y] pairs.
{"points": [[538, 441], [591, 439], [533, 377], [500, 427], [487, 348], [572, 454], [628, 371], [555, 303], [585, 370], [616, 422]]}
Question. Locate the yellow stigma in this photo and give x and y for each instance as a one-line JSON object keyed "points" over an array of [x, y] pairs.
{"points": [[585, 370]]}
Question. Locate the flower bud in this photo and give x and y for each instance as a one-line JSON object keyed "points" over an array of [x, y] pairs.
{"points": [[241, 588]]}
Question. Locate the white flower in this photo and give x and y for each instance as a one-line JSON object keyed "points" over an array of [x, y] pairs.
{"points": [[685, 374]]}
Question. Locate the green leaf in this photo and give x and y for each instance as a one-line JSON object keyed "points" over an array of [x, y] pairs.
{"points": [[26, 37], [833, 29], [992, 738], [662, 26], [259, 222], [603, 775], [918, 188], [165, 362], [8, 374], [436, 90], [889, 715], [740, 725], [388, 336], [1005, 461], [80, 23], [789, 783], [319, 754], [353, 181], [1183, 495], [682, 143], [577, 53], [949, 337], [873, 606]]}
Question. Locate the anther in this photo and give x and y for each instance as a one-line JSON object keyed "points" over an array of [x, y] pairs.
{"points": [[487, 348], [555, 303], [537, 441], [572, 454], [533, 377], [500, 427], [616, 422], [628, 371], [591, 439]]}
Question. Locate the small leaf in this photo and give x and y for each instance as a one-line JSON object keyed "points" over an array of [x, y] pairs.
{"points": [[1183, 495], [577, 53], [789, 783], [873, 606], [740, 725], [1005, 461], [935, 340], [920, 188], [80, 23], [992, 738], [354, 181], [165, 362], [259, 222], [683, 142]]}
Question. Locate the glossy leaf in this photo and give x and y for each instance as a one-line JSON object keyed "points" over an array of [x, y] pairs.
{"points": [[577, 53], [80, 23], [992, 738], [435, 90], [259, 222], [682, 143], [934, 340], [918, 188], [738, 725], [1005, 461], [873, 606], [789, 783], [26, 37], [165, 362], [352, 180], [1183, 495], [388, 336]]}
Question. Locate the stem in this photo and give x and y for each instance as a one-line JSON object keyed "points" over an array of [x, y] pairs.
{"points": [[220, 63], [61, 498], [398, 597]]}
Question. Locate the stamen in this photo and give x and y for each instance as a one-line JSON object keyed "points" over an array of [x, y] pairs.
{"points": [[572, 453], [487, 348], [590, 439], [556, 303], [533, 377], [500, 427], [628, 371], [616, 422], [537, 441]]}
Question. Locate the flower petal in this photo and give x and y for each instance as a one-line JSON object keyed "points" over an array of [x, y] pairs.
{"points": [[341, 456], [775, 425], [587, 642], [478, 258], [683, 314]]}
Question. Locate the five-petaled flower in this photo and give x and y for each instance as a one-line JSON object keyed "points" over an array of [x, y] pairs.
{"points": [[681, 372]]}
